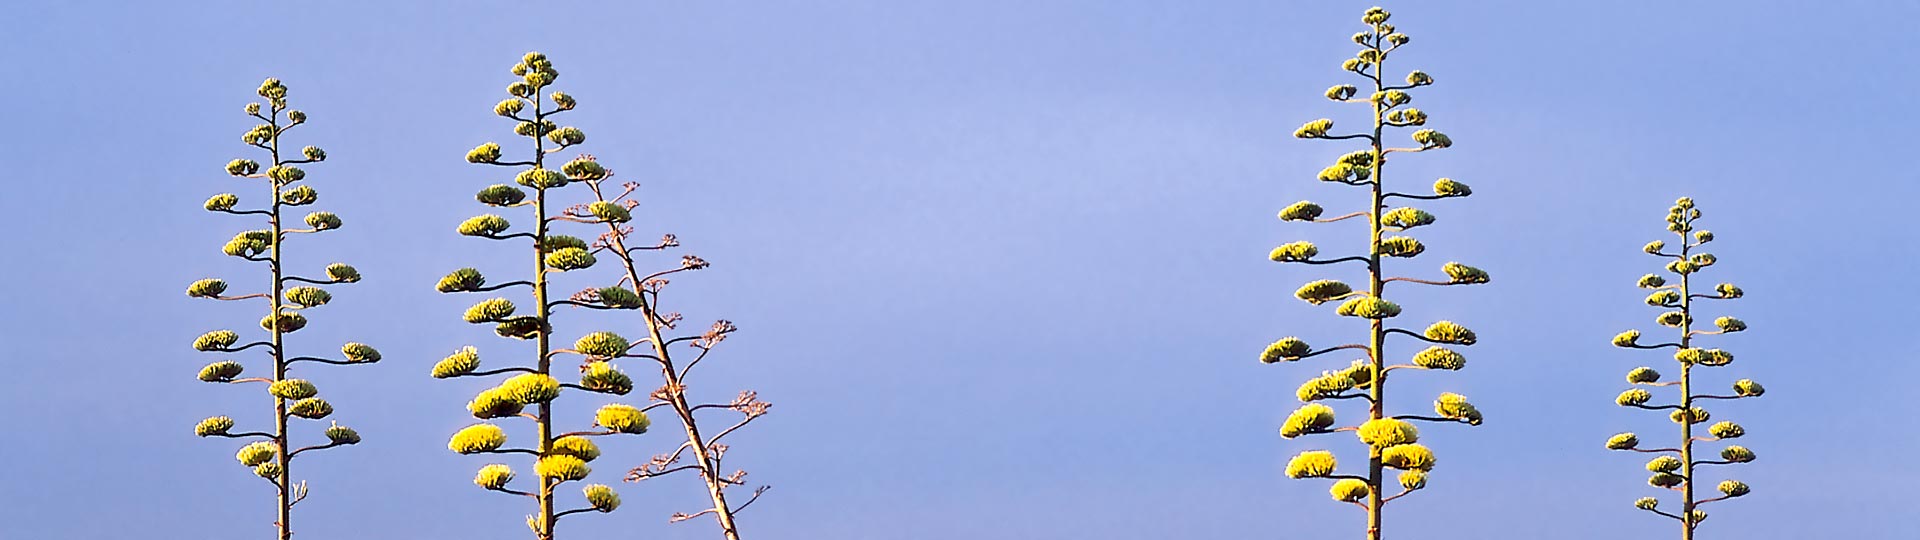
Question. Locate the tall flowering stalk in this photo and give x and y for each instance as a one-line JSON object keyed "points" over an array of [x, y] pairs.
{"points": [[558, 457], [1391, 440], [640, 290], [271, 454], [1674, 468]]}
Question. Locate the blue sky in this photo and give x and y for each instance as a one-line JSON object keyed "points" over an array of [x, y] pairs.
{"points": [[998, 264]]}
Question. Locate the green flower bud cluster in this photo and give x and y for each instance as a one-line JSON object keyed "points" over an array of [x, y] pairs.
{"points": [[1646, 503], [493, 476], [1392, 98], [1665, 480], [1726, 430], [602, 345], [1664, 298], [1727, 290], [459, 363], [1350, 490], [222, 371], [483, 225], [609, 212], [1654, 247], [462, 280], [1419, 78], [253, 454], [567, 259], [1406, 218], [206, 288], [215, 340], [342, 273], [556, 242], [1437, 357], [1309, 418], [1287, 348], [1450, 332], [222, 202], [1346, 174], [1401, 246], [1694, 415], [1734, 488], [286, 174], [1312, 464], [308, 296], [249, 243], [1730, 324], [618, 297], [576, 446], [1408, 457], [1736, 454], [1325, 386], [509, 107], [478, 438], [527, 327], [540, 179], [1294, 252], [1430, 139], [297, 117], [561, 467], [535, 129], [1748, 388], [567, 136], [311, 408], [1652, 281], [488, 152], [323, 221], [1387, 432], [1368, 307], [563, 101], [604, 378], [1634, 397], [284, 322], [1682, 267], [1447, 187], [292, 389], [344, 435], [1463, 274], [583, 169], [1342, 92], [1456, 407], [360, 353], [622, 418], [1314, 129], [602, 498], [530, 388], [490, 310], [1643, 375], [243, 167], [1407, 117], [313, 153], [213, 426], [1623, 441], [500, 195], [1704, 357], [299, 196], [1672, 319], [1323, 291], [1663, 464]]}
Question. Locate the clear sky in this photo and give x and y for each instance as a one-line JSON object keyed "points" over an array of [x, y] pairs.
{"points": [[1000, 265]]}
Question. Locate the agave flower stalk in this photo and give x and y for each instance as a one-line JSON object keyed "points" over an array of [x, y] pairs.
{"points": [[559, 457], [1391, 440], [640, 290], [270, 455], [1674, 467]]}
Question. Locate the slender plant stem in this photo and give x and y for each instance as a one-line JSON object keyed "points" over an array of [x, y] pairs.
{"points": [[677, 397], [1686, 395], [283, 449], [1378, 334], [544, 344]]}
